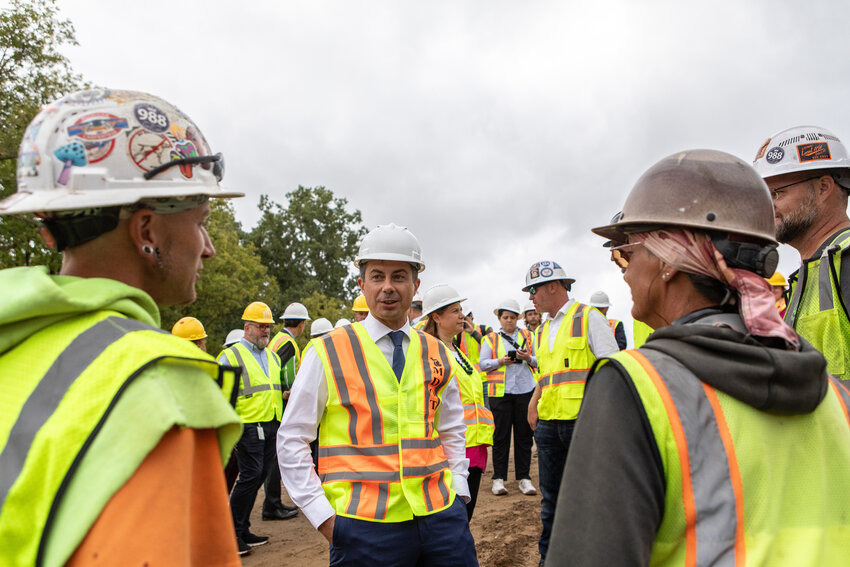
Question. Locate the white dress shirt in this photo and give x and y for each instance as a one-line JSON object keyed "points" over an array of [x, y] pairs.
{"points": [[307, 401], [600, 336]]}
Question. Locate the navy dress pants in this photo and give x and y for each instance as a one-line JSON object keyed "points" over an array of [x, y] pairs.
{"points": [[255, 456]]}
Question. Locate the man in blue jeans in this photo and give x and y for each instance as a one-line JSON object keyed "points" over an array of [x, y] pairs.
{"points": [[569, 342]]}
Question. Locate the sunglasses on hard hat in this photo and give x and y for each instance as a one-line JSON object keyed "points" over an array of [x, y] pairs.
{"points": [[622, 254], [216, 160]]}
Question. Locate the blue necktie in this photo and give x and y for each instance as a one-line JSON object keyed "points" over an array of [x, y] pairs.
{"points": [[398, 353]]}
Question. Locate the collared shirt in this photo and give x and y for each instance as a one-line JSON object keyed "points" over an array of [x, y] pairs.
{"points": [[259, 355], [307, 401], [518, 377], [600, 336]]}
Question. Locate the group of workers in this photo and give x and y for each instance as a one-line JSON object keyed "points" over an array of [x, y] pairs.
{"points": [[724, 439]]}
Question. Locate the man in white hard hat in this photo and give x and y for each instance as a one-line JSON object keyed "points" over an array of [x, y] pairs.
{"points": [[114, 431], [260, 405], [531, 317], [572, 338], [391, 483], [415, 312], [601, 301], [807, 170], [283, 344]]}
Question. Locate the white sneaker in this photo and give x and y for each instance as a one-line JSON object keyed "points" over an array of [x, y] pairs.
{"points": [[527, 488], [499, 487]]}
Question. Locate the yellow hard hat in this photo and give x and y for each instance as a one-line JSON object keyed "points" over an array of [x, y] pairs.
{"points": [[258, 312], [360, 304], [777, 279], [189, 328]]}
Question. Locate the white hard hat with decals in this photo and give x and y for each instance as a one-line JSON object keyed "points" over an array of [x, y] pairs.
{"points": [[320, 326], [390, 242], [438, 297], [295, 310], [511, 305], [803, 148], [104, 148], [545, 271], [600, 299]]}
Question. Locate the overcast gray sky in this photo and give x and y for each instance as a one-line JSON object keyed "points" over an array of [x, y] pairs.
{"points": [[498, 132]]}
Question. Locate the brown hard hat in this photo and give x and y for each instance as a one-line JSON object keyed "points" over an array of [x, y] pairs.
{"points": [[700, 189]]}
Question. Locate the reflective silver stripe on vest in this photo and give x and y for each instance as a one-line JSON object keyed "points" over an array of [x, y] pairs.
{"points": [[420, 443], [373, 476], [51, 389], [244, 390], [381, 505], [577, 316], [441, 484], [714, 496], [350, 450], [564, 376], [426, 470]]}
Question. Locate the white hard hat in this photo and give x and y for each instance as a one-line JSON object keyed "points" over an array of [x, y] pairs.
{"points": [[529, 306], [342, 323], [295, 310], [320, 326], [600, 299], [439, 296], [545, 271], [104, 148], [803, 148], [390, 242], [507, 305], [234, 336]]}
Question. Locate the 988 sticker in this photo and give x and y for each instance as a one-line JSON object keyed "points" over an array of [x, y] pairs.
{"points": [[775, 155], [151, 118]]}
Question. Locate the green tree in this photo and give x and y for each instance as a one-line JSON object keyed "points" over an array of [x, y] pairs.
{"points": [[231, 280], [32, 73], [308, 245]]}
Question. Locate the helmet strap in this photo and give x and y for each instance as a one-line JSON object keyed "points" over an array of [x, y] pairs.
{"points": [[70, 231]]}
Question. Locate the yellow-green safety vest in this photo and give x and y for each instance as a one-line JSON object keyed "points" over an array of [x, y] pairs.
{"points": [[68, 385], [290, 369], [259, 396], [742, 486], [563, 370], [816, 309], [380, 456], [472, 351], [477, 418], [640, 332], [496, 377]]}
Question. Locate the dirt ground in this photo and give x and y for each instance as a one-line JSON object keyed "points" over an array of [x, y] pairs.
{"points": [[505, 529]]}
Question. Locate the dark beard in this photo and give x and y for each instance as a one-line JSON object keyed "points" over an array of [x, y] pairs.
{"points": [[795, 224]]}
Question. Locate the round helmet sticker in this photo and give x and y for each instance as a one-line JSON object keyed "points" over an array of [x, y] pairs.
{"points": [[775, 155], [546, 272]]}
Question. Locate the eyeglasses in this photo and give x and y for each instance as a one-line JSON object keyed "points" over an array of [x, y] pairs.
{"points": [[532, 290], [776, 193], [621, 255], [261, 326], [216, 160]]}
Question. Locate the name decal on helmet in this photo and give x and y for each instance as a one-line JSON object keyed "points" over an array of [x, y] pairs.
{"points": [[813, 152]]}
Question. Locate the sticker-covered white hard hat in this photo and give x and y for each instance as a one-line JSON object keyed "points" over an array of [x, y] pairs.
{"points": [[803, 148], [438, 297], [105, 148], [295, 310], [390, 242], [511, 305], [545, 271]]}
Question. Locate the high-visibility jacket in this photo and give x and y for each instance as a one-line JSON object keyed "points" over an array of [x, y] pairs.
{"points": [[380, 456], [496, 377], [742, 486], [563, 370], [68, 380], [290, 368], [471, 350], [420, 324], [640, 332], [478, 419], [259, 396], [816, 309]]}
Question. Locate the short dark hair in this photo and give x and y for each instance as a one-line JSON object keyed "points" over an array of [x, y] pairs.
{"points": [[414, 270], [292, 322], [508, 310]]}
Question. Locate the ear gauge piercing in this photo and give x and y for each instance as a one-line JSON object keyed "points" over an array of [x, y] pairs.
{"points": [[665, 276], [146, 248]]}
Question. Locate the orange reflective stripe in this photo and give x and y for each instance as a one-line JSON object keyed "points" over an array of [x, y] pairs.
{"points": [[682, 447], [437, 372], [734, 473], [369, 500], [843, 395], [434, 490], [345, 351]]}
